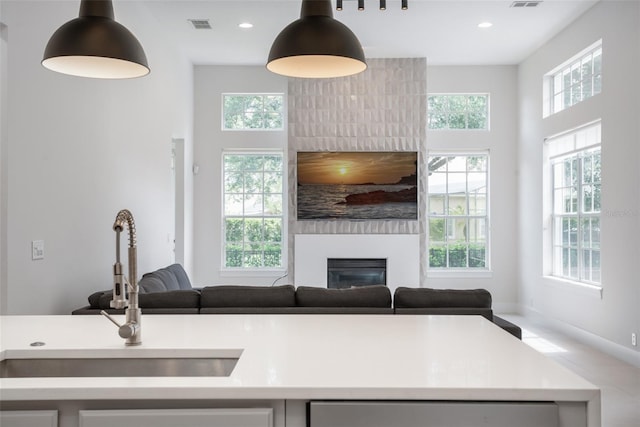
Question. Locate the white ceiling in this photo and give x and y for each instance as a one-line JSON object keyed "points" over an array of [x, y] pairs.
{"points": [[444, 31]]}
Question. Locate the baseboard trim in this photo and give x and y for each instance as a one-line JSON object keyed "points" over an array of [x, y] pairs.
{"points": [[616, 350]]}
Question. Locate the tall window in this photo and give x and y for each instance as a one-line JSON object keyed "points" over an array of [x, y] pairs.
{"points": [[458, 211], [458, 111], [252, 111], [253, 209], [575, 80], [576, 181]]}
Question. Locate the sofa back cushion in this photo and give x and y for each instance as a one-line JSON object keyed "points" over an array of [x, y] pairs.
{"points": [[248, 296], [187, 298], [362, 296], [171, 278], [441, 298]]}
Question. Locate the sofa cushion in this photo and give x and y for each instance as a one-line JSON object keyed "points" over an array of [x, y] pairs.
{"points": [[170, 299], [171, 278], [182, 298], [248, 296], [485, 312], [363, 296], [94, 298], [447, 298]]}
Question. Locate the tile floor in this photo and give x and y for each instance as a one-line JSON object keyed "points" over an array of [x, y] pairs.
{"points": [[618, 380]]}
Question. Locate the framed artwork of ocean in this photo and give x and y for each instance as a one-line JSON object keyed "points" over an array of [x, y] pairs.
{"points": [[357, 185]]}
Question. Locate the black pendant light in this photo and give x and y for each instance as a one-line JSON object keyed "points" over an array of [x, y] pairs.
{"points": [[316, 45], [95, 45]]}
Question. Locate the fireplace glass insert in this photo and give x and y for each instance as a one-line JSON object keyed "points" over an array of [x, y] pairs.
{"points": [[351, 272]]}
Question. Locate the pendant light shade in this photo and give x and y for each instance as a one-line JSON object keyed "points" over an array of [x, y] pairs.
{"points": [[316, 45], [95, 45]]}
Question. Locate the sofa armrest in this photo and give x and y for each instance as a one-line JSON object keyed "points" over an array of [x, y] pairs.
{"points": [[512, 328]]}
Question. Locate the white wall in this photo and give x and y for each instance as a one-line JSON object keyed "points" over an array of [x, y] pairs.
{"points": [[78, 151], [501, 83], [615, 314], [209, 141]]}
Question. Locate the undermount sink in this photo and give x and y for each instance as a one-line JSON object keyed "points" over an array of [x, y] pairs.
{"points": [[198, 366]]}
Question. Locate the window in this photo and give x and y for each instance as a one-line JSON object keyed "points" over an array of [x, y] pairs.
{"points": [[253, 209], [458, 111], [576, 182], [252, 112], [574, 81], [458, 211]]}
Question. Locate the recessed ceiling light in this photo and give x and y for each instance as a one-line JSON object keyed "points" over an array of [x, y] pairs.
{"points": [[245, 25], [485, 25]]}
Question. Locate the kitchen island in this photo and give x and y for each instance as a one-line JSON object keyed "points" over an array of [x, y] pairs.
{"points": [[299, 369]]}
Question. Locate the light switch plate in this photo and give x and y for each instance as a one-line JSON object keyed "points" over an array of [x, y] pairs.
{"points": [[37, 249]]}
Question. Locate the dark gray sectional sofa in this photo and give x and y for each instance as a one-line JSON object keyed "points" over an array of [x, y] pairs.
{"points": [[169, 291]]}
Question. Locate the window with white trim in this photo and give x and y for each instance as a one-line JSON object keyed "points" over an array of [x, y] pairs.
{"points": [[252, 111], [575, 167], [458, 211], [458, 111], [253, 219], [574, 81]]}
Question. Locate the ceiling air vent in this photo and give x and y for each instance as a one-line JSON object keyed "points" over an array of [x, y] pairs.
{"points": [[200, 24], [526, 3]]}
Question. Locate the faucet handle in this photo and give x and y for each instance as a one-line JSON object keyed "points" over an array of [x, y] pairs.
{"points": [[127, 330]]}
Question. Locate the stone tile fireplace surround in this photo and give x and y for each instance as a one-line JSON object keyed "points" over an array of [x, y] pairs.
{"points": [[381, 109]]}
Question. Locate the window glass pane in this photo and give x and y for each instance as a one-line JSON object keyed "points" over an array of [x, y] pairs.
{"points": [[253, 204], [477, 256], [436, 204], [253, 182], [234, 230], [437, 230], [273, 204], [457, 204], [233, 182], [437, 256], [273, 229], [272, 182], [457, 121], [458, 256], [477, 204], [233, 255], [233, 204]]}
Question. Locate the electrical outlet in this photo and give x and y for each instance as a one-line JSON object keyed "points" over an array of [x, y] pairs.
{"points": [[634, 339], [37, 249]]}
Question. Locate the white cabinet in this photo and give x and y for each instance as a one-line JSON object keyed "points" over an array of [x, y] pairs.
{"points": [[29, 418], [235, 417]]}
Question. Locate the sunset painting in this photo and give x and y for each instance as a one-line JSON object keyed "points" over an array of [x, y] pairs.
{"points": [[357, 185]]}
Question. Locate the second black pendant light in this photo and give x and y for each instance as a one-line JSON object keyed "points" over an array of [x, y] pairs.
{"points": [[316, 45]]}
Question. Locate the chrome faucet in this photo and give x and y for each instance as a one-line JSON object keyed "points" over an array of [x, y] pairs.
{"points": [[131, 330]]}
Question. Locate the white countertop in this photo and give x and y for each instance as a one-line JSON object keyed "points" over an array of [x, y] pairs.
{"points": [[299, 357]]}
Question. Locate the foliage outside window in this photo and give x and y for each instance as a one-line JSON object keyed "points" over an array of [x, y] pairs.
{"points": [[458, 211], [253, 210], [574, 81], [576, 206], [458, 111], [252, 112]]}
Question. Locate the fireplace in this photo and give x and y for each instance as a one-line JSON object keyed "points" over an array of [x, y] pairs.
{"points": [[352, 272]]}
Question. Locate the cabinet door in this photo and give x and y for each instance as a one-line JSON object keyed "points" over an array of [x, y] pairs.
{"points": [[432, 414], [236, 417], [29, 418]]}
